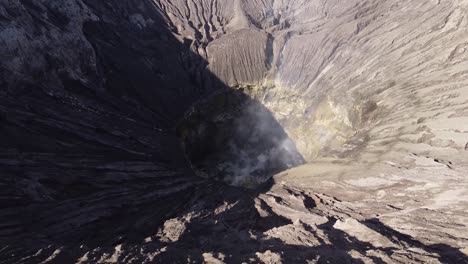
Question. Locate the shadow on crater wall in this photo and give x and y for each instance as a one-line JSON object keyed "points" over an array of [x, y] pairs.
{"points": [[97, 161]]}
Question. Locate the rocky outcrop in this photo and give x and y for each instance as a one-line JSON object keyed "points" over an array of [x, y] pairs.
{"points": [[96, 97]]}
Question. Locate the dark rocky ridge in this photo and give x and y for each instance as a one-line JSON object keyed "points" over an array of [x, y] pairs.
{"points": [[374, 92], [88, 115]]}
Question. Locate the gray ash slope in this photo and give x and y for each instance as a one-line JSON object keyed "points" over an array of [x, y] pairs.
{"points": [[372, 93]]}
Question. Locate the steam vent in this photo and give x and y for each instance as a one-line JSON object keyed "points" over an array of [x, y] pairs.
{"points": [[233, 131]]}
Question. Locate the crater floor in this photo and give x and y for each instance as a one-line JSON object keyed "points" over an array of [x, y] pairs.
{"points": [[130, 129]]}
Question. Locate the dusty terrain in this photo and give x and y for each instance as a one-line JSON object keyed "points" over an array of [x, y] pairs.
{"points": [[209, 131]]}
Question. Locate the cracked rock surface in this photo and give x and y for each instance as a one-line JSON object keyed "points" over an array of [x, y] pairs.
{"points": [[98, 164]]}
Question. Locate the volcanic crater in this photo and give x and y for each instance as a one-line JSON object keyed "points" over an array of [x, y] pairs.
{"points": [[246, 131]]}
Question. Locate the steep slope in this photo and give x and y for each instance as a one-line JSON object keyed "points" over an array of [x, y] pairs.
{"points": [[89, 105], [108, 108]]}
